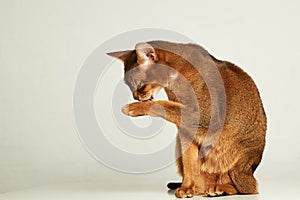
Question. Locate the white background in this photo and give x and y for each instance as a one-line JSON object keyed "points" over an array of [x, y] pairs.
{"points": [[44, 43]]}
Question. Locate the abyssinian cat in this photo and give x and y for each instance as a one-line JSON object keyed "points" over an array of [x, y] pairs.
{"points": [[214, 104]]}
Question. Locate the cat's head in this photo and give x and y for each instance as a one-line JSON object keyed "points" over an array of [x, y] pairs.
{"points": [[145, 72]]}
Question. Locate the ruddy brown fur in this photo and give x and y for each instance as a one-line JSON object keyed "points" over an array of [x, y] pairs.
{"points": [[225, 166]]}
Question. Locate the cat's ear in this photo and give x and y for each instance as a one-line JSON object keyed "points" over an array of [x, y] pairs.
{"points": [[122, 55], [145, 53]]}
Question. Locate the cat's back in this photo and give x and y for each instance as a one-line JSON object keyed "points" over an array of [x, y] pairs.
{"points": [[243, 98], [238, 83]]}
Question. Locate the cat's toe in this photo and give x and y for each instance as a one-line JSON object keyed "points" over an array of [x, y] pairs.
{"points": [[130, 110], [220, 190], [184, 192], [135, 109], [125, 109]]}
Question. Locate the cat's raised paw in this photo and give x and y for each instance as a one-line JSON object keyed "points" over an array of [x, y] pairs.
{"points": [[135, 109]]}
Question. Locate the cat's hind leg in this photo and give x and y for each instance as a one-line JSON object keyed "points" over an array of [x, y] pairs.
{"points": [[242, 174], [244, 181]]}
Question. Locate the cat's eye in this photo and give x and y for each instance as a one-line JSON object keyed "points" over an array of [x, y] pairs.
{"points": [[151, 56], [140, 85]]}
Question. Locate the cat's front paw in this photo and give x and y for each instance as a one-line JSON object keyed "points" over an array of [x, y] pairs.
{"points": [[136, 109], [183, 192], [214, 190]]}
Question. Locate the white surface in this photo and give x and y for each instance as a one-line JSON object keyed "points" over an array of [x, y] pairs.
{"points": [[44, 43], [275, 190]]}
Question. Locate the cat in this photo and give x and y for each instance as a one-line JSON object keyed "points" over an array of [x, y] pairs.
{"points": [[216, 107]]}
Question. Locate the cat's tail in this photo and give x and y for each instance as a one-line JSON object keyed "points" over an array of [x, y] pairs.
{"points": [[173, 186]]}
